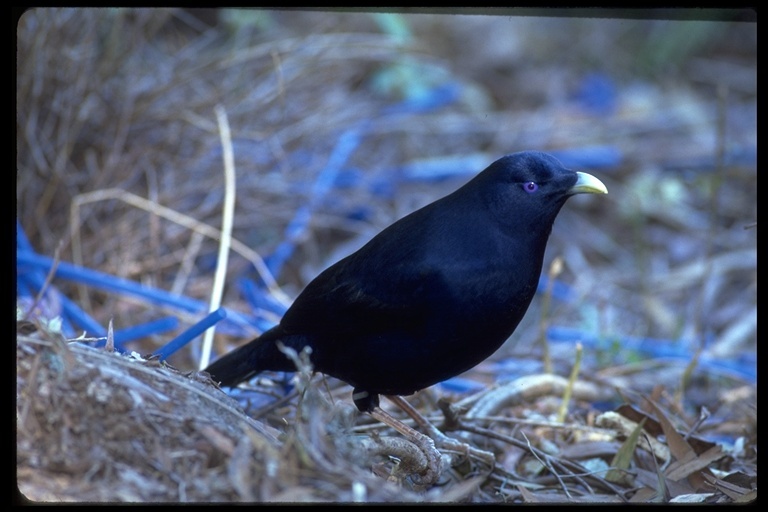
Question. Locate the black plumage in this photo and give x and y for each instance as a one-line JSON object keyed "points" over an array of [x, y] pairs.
{"points": [[432, 295]]}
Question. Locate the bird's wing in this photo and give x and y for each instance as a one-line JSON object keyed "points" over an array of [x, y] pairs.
{"points": [[347, 298]]}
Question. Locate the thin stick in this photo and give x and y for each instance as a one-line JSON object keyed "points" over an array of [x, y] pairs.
{"points": [[225, 242], [46, 283], [173, 216]]}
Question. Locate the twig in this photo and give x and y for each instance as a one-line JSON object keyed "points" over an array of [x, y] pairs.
{"points": [[568, 392], [545, 462], [226, 229], [46, 283], [173, 216]]}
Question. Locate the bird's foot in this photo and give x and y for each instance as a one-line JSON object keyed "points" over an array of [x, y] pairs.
{"points": [[459, 452], [448, 445], [423, 465]]}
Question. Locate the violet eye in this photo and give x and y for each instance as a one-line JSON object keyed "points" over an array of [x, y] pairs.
{"points": [[530, 187]]}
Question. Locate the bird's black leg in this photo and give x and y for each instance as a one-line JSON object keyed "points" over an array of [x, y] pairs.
{"points": [[365, 401]]}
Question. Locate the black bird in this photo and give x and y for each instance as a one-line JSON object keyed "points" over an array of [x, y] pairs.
{"points": [[432, 295]]}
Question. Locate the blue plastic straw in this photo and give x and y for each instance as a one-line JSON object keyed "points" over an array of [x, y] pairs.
{"points": [[742, 367], [29, 266], [183, 339], [108, 282], [346, 145]]}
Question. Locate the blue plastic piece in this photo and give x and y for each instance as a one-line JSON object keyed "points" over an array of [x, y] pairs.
{"points": [[598, 94], [743, 367], [258, 299], [107, 282], [184, 338]]}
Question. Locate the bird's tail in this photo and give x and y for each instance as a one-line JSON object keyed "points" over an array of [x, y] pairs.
{"points": [[249, 360]]}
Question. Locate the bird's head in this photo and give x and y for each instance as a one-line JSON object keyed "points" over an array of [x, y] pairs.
{"points": [[529, 188]]}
